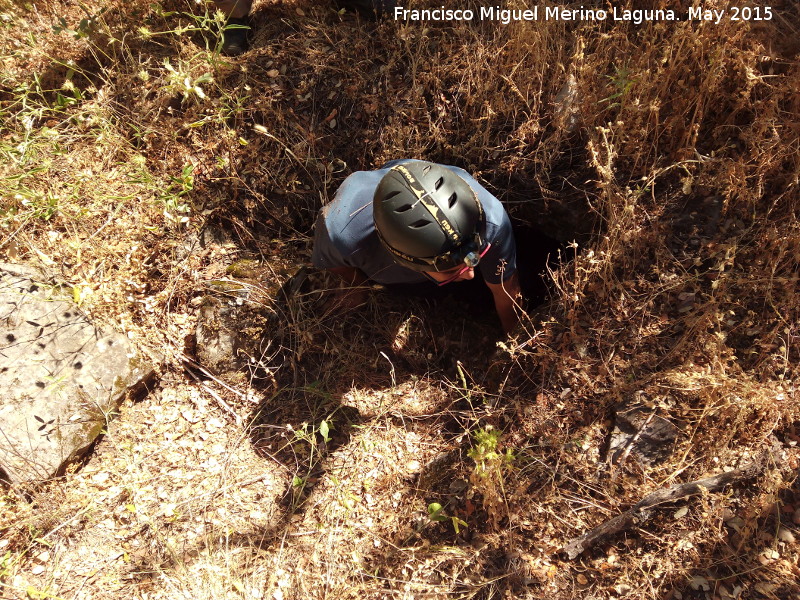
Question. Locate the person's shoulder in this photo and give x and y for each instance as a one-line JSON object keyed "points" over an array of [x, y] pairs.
{"points": [[353, 195], [491, 205], [358, 181]]}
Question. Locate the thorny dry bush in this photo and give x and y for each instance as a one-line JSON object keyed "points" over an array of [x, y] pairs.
{"points": [[671, 150]]}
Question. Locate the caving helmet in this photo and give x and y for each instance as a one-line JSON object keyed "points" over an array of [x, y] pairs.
{"points": [[427, 217]]}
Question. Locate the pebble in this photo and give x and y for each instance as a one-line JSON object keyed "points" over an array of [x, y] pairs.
{"points": [[765, 589], [785, 535], [736, 523], [699, 583], [622, 589]]}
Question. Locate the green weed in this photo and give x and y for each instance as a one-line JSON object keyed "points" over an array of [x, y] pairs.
{"points": [[436, 513], [492, 467]]}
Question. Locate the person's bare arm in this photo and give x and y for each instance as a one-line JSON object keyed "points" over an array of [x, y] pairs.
{"points": [[352, 293], [507, 296]]}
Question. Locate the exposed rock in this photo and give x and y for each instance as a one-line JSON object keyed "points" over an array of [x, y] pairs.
{"points": [[643, 431], [228, 336], [240, 322], [61, 378], [565, 107]]}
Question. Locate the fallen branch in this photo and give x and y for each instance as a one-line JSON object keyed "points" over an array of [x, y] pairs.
{"points": [[631, 442], [641, 513], [198, 367], [222, 404]]}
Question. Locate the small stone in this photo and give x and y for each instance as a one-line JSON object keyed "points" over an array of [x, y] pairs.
{"points": [[786, 535], [764, 588], [736, 523], [59, 366], [37, 570], [100, 478], [765, 558], [681, 512], [699, 583], [581, 579], [622, 589]]}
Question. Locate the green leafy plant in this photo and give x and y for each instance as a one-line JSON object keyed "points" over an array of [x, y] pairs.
{"points": [[6, 564], [436, 513], [324, 431], [623, 83], [492, 466], [176, 208], [85, 26]]}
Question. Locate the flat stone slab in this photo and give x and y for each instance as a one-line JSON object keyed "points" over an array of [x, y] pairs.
{"points": [[643, 431], [61, 378]]}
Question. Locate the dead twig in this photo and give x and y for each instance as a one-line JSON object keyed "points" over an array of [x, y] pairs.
{"points": [[641, 511], [627, 450], [197, 366], [224, 405]]}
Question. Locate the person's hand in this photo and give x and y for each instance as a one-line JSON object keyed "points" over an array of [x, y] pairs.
{"points": [[344, 300]]}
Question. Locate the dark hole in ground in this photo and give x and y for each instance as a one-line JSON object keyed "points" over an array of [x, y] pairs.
{"points": [[536, 251]]}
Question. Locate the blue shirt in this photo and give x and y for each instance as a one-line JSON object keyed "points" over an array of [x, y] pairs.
{"points": [[345, 233]]}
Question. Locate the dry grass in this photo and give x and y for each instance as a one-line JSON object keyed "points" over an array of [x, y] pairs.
{"points": [[674, 162]]}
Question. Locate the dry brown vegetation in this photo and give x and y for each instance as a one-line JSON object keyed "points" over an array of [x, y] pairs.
{"points": [[138, 166]]}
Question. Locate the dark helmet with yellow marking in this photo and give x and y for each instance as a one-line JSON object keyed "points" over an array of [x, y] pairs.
{"points": [[427, 217]]}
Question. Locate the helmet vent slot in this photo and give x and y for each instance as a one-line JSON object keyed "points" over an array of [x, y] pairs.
{"points": [[451, 201], [404, 208], [391, 195], [439, 183], [419, 224]]}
